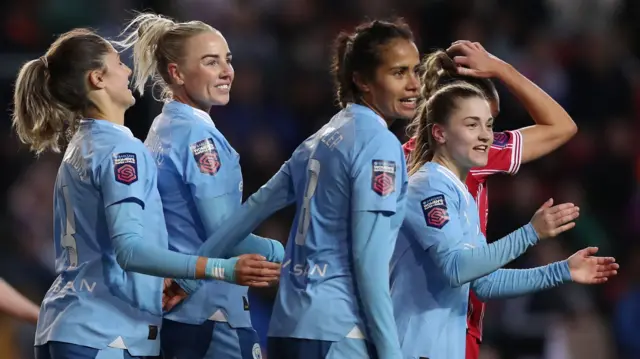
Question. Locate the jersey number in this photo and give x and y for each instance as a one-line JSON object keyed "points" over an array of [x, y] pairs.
{"points": [[68, 240], [305, 219]]}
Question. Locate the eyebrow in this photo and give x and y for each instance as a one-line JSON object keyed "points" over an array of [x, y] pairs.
{"points": [[476, 118], [214, 56]]}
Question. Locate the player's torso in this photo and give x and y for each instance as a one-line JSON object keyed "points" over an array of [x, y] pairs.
{"points": [[430, 314], [169, 143], [316, 298], [90, 282]]}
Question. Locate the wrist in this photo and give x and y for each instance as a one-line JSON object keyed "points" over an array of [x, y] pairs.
{"points": [[531, 233], [502, 70], [222, 269]]}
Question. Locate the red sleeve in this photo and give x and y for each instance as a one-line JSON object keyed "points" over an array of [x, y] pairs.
{"points": [[409, 147], [505, 155]]}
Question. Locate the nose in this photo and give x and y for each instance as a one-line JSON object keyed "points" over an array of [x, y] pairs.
{"points": [[227, 71], [486, 134], [413, 84]]}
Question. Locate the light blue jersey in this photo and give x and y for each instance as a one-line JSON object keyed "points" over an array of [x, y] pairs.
{"points": [[354, 164], [94, 302], [440, 253], [430, 313], [200, 183]]}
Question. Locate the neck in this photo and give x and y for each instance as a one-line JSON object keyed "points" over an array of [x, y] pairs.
{"points": [[112, 115], [187, 100], [375, 109], [458, 171]]}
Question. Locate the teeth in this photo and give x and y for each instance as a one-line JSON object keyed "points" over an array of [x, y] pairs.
{"points": [[481, 148], [410, 100], [223, 87]]}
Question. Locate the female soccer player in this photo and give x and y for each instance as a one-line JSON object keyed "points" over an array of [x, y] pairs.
{"points": [[441, 251], [553, 128], [349, 184], [200, 181], [110, 234]]}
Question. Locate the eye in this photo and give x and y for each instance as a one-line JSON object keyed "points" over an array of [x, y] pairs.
{"points": [[229, 60], [399, 73], [212, 62], [472, 125]]}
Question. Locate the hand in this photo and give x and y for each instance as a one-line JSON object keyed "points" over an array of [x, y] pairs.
{"points": [[172, 294], [550, 221], [586, 269], [254, 270], [473, 60]]}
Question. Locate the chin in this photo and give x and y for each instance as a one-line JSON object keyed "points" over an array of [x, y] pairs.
{"points": [[479, 161]]}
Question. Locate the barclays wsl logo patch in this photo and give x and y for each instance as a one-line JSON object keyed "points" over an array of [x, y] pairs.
{"points": [[383, 180], [256, 351]]}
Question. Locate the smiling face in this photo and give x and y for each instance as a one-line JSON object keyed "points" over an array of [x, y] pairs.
{"points": [[205, 73], [116, 77], [393, 90]]}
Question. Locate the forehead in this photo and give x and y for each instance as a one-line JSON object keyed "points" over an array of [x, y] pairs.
{"points": [[400, 53], [207, 43], [473, 106]]}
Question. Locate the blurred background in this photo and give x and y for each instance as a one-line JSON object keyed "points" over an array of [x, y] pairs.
{"points": [[582, 52]]}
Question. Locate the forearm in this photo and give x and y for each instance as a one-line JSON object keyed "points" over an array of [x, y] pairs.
{"points": [[514, 282], [464, 265], [554, 126], [371, 252], [270, 198], [252, 244], [134, 254], [16, 305]]}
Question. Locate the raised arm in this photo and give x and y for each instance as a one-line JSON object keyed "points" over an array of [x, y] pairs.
{"points": [[553, 125]]}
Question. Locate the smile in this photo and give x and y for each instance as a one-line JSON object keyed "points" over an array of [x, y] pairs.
{"points": [[481, 148]]}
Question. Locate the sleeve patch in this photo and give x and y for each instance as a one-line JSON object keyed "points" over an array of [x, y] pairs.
{"points": [[206, 156], [435, 212], [383, 180], [501, 139], [125, 167]]}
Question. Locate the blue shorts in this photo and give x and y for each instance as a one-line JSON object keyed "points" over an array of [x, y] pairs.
{"points": [[59, 350], [293, 348], [210, 340]]}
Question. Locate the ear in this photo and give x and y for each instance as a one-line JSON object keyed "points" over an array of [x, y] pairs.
{"points": [[360, 83], [438, 133], [175, 74], [96, 79]]}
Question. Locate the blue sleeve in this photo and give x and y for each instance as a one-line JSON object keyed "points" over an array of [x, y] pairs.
{"points": [[207, 167], [133, 254], [208, 170], [270, 198], [125, 175], [373, 243], [213, 213], [434, 218], [377, 165], [514, 282]]}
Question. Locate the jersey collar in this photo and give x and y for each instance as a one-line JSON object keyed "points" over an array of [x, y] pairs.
{"points": [[366, 110], [88, 121], [178, 106]]}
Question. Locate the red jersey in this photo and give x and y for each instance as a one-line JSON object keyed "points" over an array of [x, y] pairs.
{"points": [[505, 156]]}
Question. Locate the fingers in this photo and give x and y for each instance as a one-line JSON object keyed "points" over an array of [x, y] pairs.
{"points": [[605, 260], [562, 229], [461, 46], [462, 61], [564, 216], [588, 252], [255, 257], [547, 204], [560, 207], [172, 302]]}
